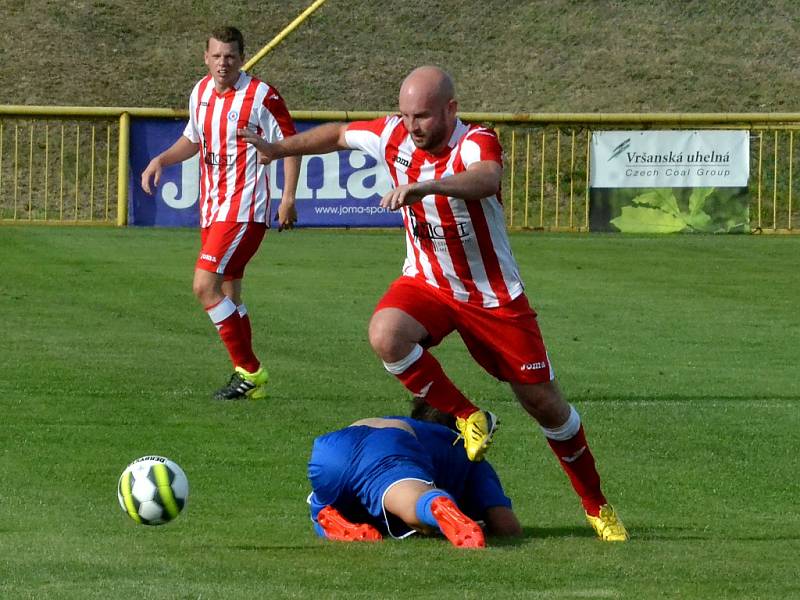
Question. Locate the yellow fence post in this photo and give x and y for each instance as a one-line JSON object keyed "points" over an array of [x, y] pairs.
{"points": [[30, 172], [791, 182], [775, 184], [513, 164], [122, 169], [571, 182], [77, 167], [527, 174], [46, 167], [541, 184], [760, 151], [588, 167]]}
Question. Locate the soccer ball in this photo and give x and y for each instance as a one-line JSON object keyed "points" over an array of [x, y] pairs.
{"points": [[152, 490]]}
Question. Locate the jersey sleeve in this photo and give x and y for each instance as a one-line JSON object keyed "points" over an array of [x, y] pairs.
{"points": [[483, 490], [275, 120], [191, 131], [366, 136], [481, 144]]}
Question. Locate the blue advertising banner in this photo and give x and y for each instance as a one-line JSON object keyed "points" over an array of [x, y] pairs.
{"points": [[340, 189]]}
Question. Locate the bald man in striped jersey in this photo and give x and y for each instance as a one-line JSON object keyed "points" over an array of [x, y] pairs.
{"points": [[234, 194], [459, 273]]}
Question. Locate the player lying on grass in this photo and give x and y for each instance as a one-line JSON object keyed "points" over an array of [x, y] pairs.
{"points": [[400, 475]]}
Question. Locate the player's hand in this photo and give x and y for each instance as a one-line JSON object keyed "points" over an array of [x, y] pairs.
{"points": [[153, 171], [266, 151], [402, 195], [287, 213]]}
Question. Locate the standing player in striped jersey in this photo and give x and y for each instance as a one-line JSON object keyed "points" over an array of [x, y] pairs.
{"points": [[459, 274], [234, 194]]}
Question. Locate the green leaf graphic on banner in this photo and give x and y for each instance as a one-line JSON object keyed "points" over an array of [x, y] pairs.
{"points": [[698, 199], [699, 222], [661, 198], [665, 216], [637, 219], [668, 210]]}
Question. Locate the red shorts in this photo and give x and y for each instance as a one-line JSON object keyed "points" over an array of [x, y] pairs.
{"points": [[505, 341], [226, 248]]}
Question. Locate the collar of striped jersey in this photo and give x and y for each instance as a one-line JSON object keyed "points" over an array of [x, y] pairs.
{"points": [[240, 83], [458, 132]]}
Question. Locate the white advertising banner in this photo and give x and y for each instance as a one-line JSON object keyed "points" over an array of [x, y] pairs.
{"points": [[670, 159]]}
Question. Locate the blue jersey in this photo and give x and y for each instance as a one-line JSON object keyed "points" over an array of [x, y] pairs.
{"points": [[351, 469]]}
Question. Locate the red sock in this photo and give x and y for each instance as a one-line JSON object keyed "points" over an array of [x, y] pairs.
{"points": [[423, 376], [229, 325], [246, 328], [577, 461]]}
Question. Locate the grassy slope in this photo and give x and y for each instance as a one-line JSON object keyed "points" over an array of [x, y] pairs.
{"points": [[680, 352], [556, 55]]}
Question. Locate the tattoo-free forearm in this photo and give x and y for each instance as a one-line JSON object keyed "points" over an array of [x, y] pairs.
{"points": [[183, 149], [479, 181], [291, 174], [319, 140]]}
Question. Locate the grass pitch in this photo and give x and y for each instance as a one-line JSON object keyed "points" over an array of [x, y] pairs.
{"points": [[680, 353]]}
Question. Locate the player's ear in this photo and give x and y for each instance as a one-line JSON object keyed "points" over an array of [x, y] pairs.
{"points": [[452, 107]]}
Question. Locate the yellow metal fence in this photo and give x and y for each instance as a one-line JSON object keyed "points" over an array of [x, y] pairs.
{"points": [[70, 164], [547, 171]]}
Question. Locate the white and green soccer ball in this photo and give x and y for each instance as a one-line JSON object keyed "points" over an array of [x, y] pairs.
{"points": [[153, 490]]}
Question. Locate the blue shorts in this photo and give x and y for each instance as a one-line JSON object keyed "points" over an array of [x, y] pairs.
{"points": [[358, 464], [352, 468]]}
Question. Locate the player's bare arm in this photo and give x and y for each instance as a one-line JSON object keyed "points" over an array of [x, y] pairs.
{"points": [[502, 522], [287, 212], [319, 140], [182, 149], [480, 180]]}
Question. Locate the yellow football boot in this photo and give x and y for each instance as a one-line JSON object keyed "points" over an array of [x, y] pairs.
{"points": [[243, 384], [477, 431], [607, 525]]}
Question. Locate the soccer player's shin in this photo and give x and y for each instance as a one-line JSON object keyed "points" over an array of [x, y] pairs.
{"points": [[228, 322], [569, 445], [423, 376], [247, 328]]}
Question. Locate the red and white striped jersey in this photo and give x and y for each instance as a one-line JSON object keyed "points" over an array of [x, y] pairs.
{"points": [[233, 185], [458, 246]]}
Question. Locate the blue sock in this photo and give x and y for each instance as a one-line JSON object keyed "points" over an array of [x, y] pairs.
{"points": [[423, 507]]}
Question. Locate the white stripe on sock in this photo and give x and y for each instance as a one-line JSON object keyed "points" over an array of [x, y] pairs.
{"points": [[567, 430], [221, 311], [396, 368]]}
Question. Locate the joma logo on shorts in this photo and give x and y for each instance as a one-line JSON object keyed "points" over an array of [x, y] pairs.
{"points": [[533, 366], [208, 257]]}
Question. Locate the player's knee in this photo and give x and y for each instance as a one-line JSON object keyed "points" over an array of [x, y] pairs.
{"points": [[382, 337], [199, 289], [205, 291]]}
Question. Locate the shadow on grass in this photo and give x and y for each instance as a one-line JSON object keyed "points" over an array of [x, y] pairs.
{"points": [[530, 534]]}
